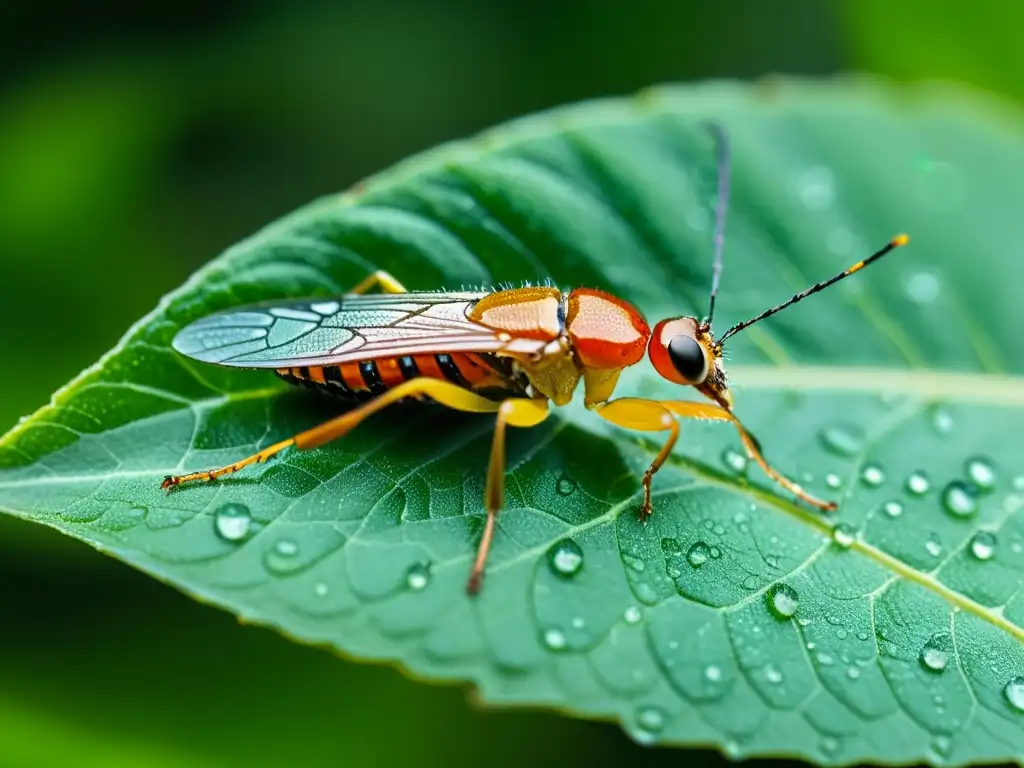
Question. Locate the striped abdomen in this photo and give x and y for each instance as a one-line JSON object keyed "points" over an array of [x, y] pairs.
{"points": [[486, 374]]}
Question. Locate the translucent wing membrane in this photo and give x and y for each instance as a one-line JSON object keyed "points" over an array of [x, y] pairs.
{"points": [[316, 332]]}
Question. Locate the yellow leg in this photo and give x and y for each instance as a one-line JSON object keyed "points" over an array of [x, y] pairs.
{"points": [[387, 283], [644, 416], [650, 415], [443, 392], [518, 413]]}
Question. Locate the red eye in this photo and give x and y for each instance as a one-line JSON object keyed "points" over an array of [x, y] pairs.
{"points": [[675, 352]]}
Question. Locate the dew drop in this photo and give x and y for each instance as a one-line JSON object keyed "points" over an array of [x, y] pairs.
{"points": [[816, 188], [833, 480], [281, 558], [844, 535], [960, 499], [650, 719], [981, 472], [918, 483], [734, 460], [829, 745], [872, 475], [698, 554], [713, 673], [417, 577], [942, 420], [783, 600], [635, 563], [715, 553], [320, 589], [565, 558], [841, 633], [934, 656], [983, 545], [853, 673], [1018, 483], [825, 660], [632, 615], [892, 508], [862, 635], [934, 545], [922, 287], [772, 674], [232, 522], [565, 485], [554, 639], [842, 440], [1014, 692]]}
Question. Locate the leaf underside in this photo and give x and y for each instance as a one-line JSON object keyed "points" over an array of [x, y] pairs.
{"points": [[734, 618]]}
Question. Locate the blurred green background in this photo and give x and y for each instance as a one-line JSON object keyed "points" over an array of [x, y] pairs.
{"points": [[136, 143]]}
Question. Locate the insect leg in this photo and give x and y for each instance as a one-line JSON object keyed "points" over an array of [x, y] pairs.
{"points": [[643, 416], [387, 283], [691, 410], [518, 413], [443, 392]]}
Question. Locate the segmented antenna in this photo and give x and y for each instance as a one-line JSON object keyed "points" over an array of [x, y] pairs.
{"points": [[896, 242], [717, 132]]}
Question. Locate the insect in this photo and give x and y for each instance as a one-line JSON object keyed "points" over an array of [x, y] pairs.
{"points": [[510, 353]]}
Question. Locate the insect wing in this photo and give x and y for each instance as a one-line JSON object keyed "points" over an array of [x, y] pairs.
{"points": [[316, 332]]}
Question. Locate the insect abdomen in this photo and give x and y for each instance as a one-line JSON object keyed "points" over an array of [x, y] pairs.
{"points": [[361, 381]]}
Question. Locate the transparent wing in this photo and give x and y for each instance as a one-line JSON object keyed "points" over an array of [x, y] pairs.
{"points": [[317, 332]]}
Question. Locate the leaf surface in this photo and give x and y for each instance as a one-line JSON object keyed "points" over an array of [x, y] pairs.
{"points": [[889, 632]]}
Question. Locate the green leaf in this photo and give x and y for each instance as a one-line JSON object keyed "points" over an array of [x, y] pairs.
{"points": [[734, 617]]}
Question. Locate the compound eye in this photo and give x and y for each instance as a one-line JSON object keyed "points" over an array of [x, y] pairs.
{"points": [[688, 358]]}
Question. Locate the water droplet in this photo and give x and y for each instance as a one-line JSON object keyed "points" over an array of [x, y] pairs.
{"points": [[281, 558], [715, 553], [578, 622], [635, 563], [713, 673], [651, 719], [782, 600], [942, 745], [417, 577], [825, 660], [981, 472], [565, 557], [942, 420], [698, 554], [841, 633], [734, 460], [983, 545], [922, 287], [632, 615], [816, 188], [934, 545], [320, 589], [853, 673], [872, 475], [862, 635], [565, 485], [892, 508], [960, 499], [1018, 483], [829, 745], [918, 483], [934, 655], [772, 674], [844, 535], [232, 522], [554, 639], [842, 440], [1014, 692], [833, 480]]}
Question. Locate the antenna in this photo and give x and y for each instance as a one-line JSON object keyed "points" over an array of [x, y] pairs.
{"points": [[896, 242], [717, 132]]}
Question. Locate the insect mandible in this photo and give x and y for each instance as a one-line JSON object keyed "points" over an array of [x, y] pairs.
{"points": [[511, 353]]}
